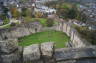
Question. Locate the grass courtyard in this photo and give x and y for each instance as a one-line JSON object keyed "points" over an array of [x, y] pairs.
{"points": [[41, 20], [59, 38]]}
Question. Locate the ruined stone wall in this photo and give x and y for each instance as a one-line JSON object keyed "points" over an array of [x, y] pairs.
{"points": [[20, 30], [26, 29], [75, 37], [45, 53]]}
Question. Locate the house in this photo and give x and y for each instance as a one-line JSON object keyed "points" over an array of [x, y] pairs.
{"points": [[9, 2], [45, 10]]}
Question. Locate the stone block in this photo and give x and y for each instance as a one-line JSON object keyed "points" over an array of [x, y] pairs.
{"points": [[47, 49], [74, 53], [79, 61], [31, 53], [8, 46], [13, 57]]}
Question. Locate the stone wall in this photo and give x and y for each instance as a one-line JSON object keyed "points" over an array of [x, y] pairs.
{"points": [[26, 29], [20, 30], [10, 52], [75, 37], [45, 53]]}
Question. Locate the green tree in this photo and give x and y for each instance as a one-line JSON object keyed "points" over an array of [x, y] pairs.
{"points": [[38, 14], [4, 18], [72, 13], [6, 21], [15, 13], [81, 17], [26, 12], [49, 22], [5, 10]]}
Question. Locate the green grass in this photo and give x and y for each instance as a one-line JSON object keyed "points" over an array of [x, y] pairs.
{"points": [[41, 20], [7, 26], [59, 38]]}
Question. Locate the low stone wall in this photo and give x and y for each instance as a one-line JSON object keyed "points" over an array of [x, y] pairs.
{"points": [[46, 53]]}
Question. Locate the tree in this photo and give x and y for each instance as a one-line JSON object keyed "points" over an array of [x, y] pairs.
{"points": [[63, 13], [81, 17], [4, 18], [26, 12], [6, 21], [38, 14], [15, 13], [49, 22], [5, 10], [72, 13]]}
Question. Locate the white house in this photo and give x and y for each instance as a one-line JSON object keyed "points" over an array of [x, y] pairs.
{"points": [[45, 9]]}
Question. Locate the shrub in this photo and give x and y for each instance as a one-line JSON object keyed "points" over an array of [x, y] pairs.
{"points": [[15, 13], [49, 22], [26, 12], [6, 21], [13, 24], [38, 14], [4, 18], [27, 19]]}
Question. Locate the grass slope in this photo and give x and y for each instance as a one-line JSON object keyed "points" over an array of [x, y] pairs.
{"points": [[59, 38]]}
